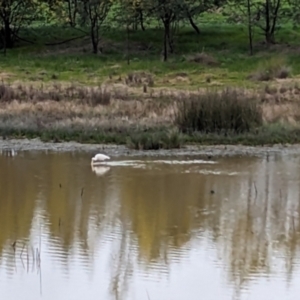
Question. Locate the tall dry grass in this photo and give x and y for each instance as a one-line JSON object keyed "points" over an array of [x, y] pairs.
{"points": [[99, 95], [103, 110], [229, 110]]}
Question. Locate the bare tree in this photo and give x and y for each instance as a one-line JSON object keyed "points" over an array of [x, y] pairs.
{"points": [[264, 14], [268, 13], [138, 14], [13, 15], [72, 12], [94, 13], [250, 31], [167, 12], [194, 8]]}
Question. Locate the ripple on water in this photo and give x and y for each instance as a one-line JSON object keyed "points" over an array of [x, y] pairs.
{"points": [[134, 163], [157, 229], [213, 172]]}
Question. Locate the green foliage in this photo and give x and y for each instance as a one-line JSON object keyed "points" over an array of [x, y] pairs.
{"points": [[265, 135], [15, 14], [92, 17], [267, 16]]}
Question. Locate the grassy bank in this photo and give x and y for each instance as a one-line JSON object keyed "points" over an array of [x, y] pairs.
{"points": [[157, 139], [218, 56], [59, 91], [165, 119]]}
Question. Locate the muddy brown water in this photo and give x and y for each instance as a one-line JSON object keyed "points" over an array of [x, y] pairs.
{"points": [[149, 228]]}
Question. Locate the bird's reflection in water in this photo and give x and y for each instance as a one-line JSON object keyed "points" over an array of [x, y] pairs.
{"points": [[100, 170]]}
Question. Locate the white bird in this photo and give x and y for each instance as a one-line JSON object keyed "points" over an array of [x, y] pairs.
{"points": [[98, 158]]}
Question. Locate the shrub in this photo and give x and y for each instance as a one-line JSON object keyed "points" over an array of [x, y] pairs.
{"points": [[155, 141], [275, 67], [100, 95], [228, 111], [202, 58], [6, 93]]}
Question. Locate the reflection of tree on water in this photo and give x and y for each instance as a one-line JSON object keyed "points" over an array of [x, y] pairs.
{"points": [[158, 211], [263, 226], [154, 215], [51, 191], [247, 218], [122, 264]]}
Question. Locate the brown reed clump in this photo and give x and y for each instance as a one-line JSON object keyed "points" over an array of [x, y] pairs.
{"points": [[218, 112]]}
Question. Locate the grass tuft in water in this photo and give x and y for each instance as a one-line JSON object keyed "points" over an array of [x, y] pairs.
{"points": [[154, 141]]}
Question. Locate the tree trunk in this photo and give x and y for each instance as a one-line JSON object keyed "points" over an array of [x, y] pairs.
{"points": [[3, 41], [128, 58], [270, 38], [72, 15], [169, 37], [274, 20], [166, 41], [141, 19], [8, 38], [250, 27], [134, 24], [196, 28], [171, 43], [94, 39]]}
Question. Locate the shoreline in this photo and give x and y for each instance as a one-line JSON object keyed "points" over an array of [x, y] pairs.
{"points": [[63, 120], [113, 150]]}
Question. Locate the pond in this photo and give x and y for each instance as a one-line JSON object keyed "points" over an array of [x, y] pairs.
{"points": [[149, 228]]}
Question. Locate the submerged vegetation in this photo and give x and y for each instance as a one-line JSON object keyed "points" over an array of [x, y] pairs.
{"points": [[124, 72]]}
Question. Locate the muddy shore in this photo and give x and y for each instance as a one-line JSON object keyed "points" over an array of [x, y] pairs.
{"points": [[117, 150]]}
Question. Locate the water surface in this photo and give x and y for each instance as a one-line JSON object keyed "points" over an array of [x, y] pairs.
{"points": [[221, 228]]}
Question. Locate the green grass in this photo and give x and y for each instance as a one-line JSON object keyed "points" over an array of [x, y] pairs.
{"points": [[265, 135], [162, 139], [73, 61]]}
